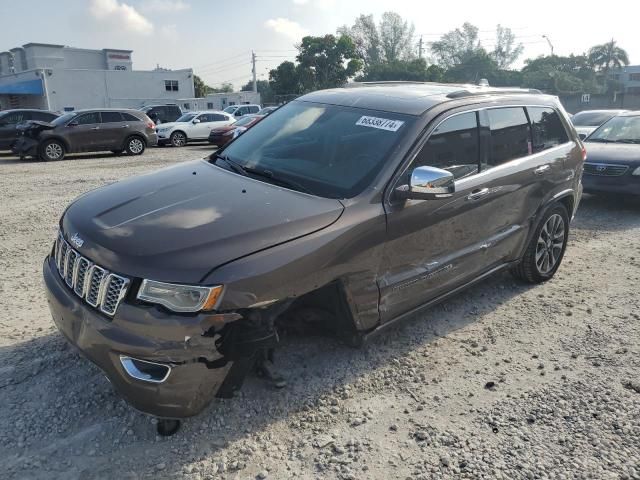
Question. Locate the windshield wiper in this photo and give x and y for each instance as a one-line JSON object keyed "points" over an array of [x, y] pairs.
{"points": [[268, 174], [628, 140], [599, 140], [235, 166]]}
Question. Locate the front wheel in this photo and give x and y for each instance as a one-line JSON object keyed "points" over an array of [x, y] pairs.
{"points": [[135, 146], [178, 139], [52, 150], [546, 249]]}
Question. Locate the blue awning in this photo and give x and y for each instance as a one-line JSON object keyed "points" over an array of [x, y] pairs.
{"points": [[25, 87]]}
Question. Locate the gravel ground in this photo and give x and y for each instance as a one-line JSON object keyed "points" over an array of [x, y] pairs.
{"points": [[504, 381]]}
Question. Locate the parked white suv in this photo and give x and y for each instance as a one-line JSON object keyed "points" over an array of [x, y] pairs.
{"points": [[192, 126], [240, 110]]}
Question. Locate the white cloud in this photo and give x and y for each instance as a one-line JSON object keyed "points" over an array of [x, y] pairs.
{"points": [[164, 6], [324, 4], [286, 27], [300, 2], [120, 14], [169, 32]]}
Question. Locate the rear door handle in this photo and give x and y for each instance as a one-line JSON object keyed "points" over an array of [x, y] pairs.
{"points": [[95, 128], [477, 194], [541, 170], [125, 126]]}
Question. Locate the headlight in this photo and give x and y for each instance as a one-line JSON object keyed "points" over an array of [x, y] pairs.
{"points": [[636, 171], [180, 298]]}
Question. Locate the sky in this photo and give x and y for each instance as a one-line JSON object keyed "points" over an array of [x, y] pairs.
{"points": [[216, 37]]}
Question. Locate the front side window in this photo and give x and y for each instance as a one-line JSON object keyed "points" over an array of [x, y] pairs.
{"points": [[548, 130], [509, 135], [12, 118], [171, 85], [43, 116], [88, 118], [187, 117], [454, 146], [326, 150]]}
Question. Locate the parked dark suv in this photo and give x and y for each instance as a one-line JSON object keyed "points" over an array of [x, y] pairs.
{"points": [[129, 131], [10, 119], [162, 113], [353, 207]]}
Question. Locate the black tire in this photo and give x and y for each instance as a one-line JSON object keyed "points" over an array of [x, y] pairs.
{"points": [[52, 151], [545, 244], [178, 139], [134, 145]]}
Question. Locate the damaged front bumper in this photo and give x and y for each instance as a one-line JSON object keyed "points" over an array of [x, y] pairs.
{"points": [[163, 364]]}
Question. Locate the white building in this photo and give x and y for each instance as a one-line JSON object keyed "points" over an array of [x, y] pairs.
{"points": [[219, 101], [59, 78]]}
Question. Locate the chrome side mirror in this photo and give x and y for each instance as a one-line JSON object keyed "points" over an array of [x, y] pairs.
{"points": [[195, 120], [428, 183]]}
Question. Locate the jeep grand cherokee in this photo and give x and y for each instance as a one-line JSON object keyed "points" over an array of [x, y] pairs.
{"points": [[360, 205]]}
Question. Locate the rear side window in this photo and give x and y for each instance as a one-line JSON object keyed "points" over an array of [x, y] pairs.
{"points": [[88, 118], [548, 130], [454, 146], [13, 118], [216, 117], [111, 117], [130, 118], [509, 135], [253, 109]]}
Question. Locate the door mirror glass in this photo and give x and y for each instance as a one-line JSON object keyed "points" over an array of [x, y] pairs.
{"points": [[72, 124], [428, 183], [195, 120]]}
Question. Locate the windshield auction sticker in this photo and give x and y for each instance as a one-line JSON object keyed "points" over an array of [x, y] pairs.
{"points": [[380, 123]]}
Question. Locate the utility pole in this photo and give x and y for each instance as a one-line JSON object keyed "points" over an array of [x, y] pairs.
{"points": [[420, 47], [549, 42], [253, 70]]}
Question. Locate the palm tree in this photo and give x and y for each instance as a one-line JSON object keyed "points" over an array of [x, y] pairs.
{"points": [[607, 56]]}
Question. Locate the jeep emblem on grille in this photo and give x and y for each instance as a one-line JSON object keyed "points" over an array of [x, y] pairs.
{"points": [[76, 240], [601, 168]]}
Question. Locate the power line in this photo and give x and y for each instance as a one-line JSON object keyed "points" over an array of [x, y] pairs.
{"points": [[225, 68], [223, 60]]}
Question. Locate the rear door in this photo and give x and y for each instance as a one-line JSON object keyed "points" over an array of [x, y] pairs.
{"points": [[8, 125], [113, 131]]}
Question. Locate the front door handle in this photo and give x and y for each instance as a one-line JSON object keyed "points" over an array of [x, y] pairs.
{"points": [[95, 128], [541, 170], [477, 194], [125, 126]]}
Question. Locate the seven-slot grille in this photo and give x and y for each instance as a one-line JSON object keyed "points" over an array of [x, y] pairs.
{"points": [[605, 169], [98, 287]]}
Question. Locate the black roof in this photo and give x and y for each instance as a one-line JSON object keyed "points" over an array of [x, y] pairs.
{"points": [[405, 97]]}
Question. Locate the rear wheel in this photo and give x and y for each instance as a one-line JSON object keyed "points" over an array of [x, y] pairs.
{"points": [[546, 249], [52, 150], [135, 146], [178, 139]]}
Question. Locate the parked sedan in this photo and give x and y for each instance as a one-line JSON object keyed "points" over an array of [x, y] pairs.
{"points": [[223, 135], [192, 126], [588, 120], [10, 119], [129, 131], [613, 156]]}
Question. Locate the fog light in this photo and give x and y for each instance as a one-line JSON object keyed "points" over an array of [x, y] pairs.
{"points": [[636, 171], [146, 371]]}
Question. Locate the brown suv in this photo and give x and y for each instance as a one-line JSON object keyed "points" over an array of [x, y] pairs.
{"points": [[352, 207], [95, 130]]}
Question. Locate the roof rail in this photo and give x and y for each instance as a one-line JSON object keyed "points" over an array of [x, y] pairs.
{"points": [[492, 90], [384, 82]]}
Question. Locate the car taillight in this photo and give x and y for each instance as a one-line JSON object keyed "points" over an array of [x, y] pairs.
{"points": [[150, 124], [584, 153]]}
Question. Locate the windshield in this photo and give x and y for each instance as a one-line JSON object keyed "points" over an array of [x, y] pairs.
{"points": [[619, 130], [63, 119], [187, 117], [327, 150], [230, 109], [591, 119], [145, 109]]}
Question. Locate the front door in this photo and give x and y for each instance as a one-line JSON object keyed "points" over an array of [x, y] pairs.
{"points": [[201, 130], [437, 245], [84, 132]]}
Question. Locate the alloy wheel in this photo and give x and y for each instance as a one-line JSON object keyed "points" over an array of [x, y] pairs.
{"points": [[178, 140], [136, 146], [550, 244], [53, 151]]}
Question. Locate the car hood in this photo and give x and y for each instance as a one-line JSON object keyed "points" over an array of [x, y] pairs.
{"points": [[223, 129], [171, 124], [179, 223], [621, 153]]}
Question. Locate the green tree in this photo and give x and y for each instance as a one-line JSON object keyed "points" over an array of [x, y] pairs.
{"points": [[366, 39], [285, 79], [560, 75], [506, 51], [456, 46], [321, 62], [409, 70], [264, 89], [606, 57], [201, 89], [471, 67]]}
